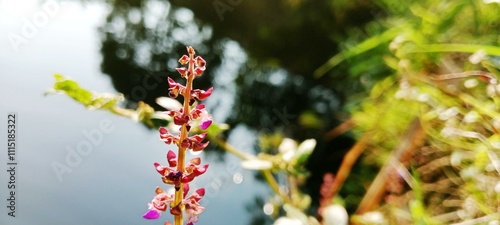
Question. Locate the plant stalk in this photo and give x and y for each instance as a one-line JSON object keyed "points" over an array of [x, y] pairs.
{"points": [[179, 195]]}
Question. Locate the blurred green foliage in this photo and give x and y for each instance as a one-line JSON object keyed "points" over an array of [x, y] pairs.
{"points": [[443, 60]]}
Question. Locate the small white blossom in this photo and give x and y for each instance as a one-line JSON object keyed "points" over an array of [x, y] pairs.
{"points": [[335, 215]]}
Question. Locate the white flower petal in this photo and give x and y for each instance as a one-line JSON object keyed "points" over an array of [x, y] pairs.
{"points": [[374, 218], [335, 215], [288, 156], [256, 164], [162, 116], [287, 221], [306, 146], [480, 55], [169, 103], [287, 145]]}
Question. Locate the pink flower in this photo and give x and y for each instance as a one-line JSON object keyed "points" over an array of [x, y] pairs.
{"points": [[179, 117], [162, 200], [170, 174], [201, 94], [152, 214], [167, 137], [184, 60], [159, 204], [196, 112], [200, 112], [171, 158], [200, 62], [192, 202], [195, 142], [193, 169], [174, 87], [206, 120], [183, 116], [200, 65], [199, 68]]}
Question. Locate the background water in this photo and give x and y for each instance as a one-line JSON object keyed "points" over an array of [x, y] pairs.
{"points": [[114, 181]]}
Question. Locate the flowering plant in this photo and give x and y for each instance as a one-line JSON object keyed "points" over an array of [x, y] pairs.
{"points": [[177, 173]]}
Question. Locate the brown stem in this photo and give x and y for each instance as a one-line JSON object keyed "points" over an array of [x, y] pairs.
{"points": [[414, 138], [340, 129], [345, 168], [179, 195]]}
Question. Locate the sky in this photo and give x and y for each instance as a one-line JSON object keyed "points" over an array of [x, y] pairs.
{"points": [[76, 166]]}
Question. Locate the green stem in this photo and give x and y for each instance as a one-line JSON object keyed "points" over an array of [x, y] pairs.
{"points": [[229, 148], [479, 106], [268, 175]]}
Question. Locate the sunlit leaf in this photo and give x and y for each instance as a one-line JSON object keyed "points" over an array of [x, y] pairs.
{"points": [[87, 98], [72, 89]]}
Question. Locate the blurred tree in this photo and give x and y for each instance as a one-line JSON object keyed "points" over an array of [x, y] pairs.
{"points": [[276, 91], [297, 35]]}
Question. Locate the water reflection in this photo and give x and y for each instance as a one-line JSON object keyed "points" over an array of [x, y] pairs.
{"points": [[146, 37], [258, 217], [260, 61]]}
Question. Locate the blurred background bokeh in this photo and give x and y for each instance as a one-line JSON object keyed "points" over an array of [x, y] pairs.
{"points": [[285, 68]]}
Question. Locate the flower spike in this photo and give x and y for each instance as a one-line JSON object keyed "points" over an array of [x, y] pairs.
{"points": [[179, 173]]}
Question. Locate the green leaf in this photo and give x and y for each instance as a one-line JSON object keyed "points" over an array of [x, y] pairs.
{"points": [[467, 48], [362, 47], [310, 119], [72, 89], [91, 101], [215, 129]]}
